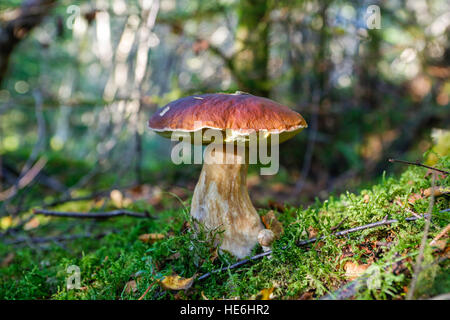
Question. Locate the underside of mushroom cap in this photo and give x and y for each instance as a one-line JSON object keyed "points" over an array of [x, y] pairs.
{"points": [[234, 116]]}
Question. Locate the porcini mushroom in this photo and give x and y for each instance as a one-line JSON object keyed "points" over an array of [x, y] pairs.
{"points": [[221, 200]]}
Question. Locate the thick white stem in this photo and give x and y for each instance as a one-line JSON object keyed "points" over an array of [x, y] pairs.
{"points": [[221, 202]]}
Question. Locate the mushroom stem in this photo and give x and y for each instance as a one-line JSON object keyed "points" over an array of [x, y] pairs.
{"points": [[221, 202]]}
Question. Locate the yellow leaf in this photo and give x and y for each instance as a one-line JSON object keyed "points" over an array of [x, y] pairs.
{"points": [[176, 282], [6, 222], [266, 294], [203, 296], [151, 237]]}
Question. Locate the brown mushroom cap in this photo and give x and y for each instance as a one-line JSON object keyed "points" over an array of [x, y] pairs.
{"points": [[239, 113]]}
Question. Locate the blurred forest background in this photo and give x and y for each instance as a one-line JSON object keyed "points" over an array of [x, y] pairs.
{"points": [[80, 79]]}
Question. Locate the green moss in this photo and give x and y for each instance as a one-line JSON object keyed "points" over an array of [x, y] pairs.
{"points": [[108, 263]]}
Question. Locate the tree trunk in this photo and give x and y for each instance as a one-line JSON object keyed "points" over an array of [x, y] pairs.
{"points": [[29, 15]]}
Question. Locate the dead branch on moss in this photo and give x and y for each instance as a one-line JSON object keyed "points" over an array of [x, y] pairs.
{"points": [[305, 242], [419, 165], [93, 215], [38, 240]]}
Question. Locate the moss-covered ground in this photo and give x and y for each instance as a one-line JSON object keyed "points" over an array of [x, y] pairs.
{"points": [[119, 265]]}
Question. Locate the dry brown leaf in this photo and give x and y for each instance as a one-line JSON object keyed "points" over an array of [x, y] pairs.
{"points": [[214, 254], [354, 270], [131, 286], [306, 296], [438, 191], [312, 232], [272, 223], [32, 224], [8, 259], [439, 244], [151, 237], [176, 282]]}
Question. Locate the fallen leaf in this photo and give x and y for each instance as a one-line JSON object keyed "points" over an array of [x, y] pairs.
{"points": [[32, 224], [131, 286], [8, 259], [354, 270], [306, 296], [266, 294], [312, 232], [151, 237], [214, 254], [203, 296], [439, 244], [438, 191], [272, 223], [176, 282], [6, 222], [424, 193]]}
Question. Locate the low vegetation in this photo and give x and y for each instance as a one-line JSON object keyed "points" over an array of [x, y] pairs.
{"points": [[121, 257]]}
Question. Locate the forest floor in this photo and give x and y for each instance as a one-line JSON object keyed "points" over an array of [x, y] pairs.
{"points": [[130, 257]]}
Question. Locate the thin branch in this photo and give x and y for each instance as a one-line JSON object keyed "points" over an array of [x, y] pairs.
{"points": [[419, 165], [55, 238], [93, 215], [364, 227], [305, 242], [24, 180]]}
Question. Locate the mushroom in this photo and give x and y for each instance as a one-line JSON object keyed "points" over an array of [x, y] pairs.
{"points": [[221, 201], [265, 239]]}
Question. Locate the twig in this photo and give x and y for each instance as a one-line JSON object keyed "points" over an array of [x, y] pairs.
{"points": [[440, 235], [367, 226], [55, 238], [24, 180], [93, 215], [419, 165], [339, 224], [235, 265], [418, 265], [147, 290], [305, 242]]}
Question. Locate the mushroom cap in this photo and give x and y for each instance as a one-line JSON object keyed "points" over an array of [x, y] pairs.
{"points": [[266, 237], [237, 115]]}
